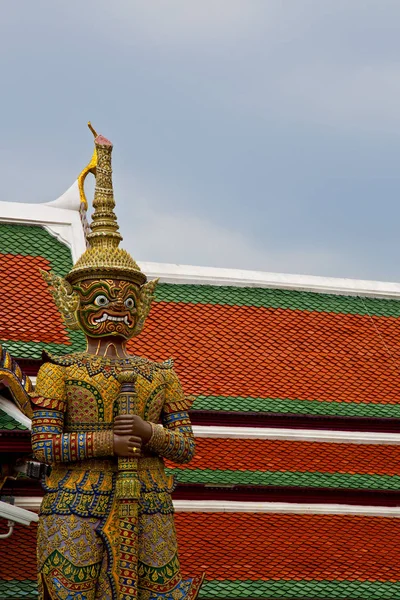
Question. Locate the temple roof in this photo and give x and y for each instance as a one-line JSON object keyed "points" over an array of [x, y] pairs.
{"points": [[278, 351], [237, 349], [17, 566], [29, 320], [292, 556], [256, 555], [262, 462], [318, 355]]}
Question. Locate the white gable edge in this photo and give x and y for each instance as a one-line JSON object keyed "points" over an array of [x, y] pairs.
{"points": [[187, 274], [13, 411], [61, 222], [330, 436], [227, 506], [258, 433]]}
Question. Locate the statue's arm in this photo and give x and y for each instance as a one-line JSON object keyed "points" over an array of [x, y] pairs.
{"points": [[49, 442], [51, 445], [173, 438]]}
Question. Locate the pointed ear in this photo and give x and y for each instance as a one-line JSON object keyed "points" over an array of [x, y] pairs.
{"points": [[146, 297], [67, 301]]}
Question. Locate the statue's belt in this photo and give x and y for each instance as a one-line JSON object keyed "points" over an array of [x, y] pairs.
{"points": [[77, 427], [100, 465]]}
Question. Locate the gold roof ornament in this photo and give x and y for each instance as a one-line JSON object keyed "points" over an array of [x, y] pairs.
{"points": [[90, 168], [104, 258]]}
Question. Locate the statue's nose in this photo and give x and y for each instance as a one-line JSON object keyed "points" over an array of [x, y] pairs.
{"points": [[118, 304]]}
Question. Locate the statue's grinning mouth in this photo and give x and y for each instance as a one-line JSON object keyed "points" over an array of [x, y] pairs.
{"points": [[107, 317]]}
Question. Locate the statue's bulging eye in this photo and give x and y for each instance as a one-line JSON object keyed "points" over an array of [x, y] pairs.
{"points": [[101, 300], [129, 303]]}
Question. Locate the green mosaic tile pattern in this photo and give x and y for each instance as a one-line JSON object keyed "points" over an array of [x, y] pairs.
{"points": [[271, 298], [303, 407], [33, 240], [287, 478], [35, 349], [7, 423], [302, 590], [16, 590], [273, 590]]}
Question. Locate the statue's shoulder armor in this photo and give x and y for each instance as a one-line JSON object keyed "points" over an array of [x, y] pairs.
{"points": [[143, 366], [148, 368], [64, 360], [165, 364]]}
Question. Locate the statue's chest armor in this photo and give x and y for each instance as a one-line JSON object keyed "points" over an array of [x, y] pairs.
{"points": [[92, 399]]}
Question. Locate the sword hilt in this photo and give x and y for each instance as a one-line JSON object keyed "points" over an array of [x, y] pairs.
{"points": [[127, 485]]}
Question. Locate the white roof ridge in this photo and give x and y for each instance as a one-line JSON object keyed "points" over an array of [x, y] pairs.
{"points": [[190, 274], [61, 218], [247, 506], [69, 200]]}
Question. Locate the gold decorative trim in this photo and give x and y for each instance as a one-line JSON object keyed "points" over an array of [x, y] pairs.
{"points": [[90, 168], [66, 300], [17, 382]]}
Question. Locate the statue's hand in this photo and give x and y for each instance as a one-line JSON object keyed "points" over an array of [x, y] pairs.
{"points": [[132, 425], [127, 445]]}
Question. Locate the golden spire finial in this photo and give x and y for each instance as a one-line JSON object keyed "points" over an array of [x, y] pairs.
{"points": [[91, 129], [104, 258], [104, 224], [90, 168]]}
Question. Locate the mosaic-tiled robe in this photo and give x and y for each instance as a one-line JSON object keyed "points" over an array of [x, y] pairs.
{"points": [[74, 407]]}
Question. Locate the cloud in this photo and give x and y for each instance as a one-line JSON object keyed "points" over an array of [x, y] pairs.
{"points": [[179, 21], [172, 23], [184, 238], [354, 96], [264, 131], [151, 234]]}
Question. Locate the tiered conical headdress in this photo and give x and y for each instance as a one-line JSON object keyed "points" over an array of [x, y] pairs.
{"points": [[104, 258]]}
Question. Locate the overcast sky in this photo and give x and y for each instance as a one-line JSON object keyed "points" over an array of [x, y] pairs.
{"points": [[256, 134]]}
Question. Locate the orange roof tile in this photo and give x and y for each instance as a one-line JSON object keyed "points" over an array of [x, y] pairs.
{"points": [[18, 553], [29, 320], [265, 353], [28, 310], [284, 455], [303, 547], [257, 546]]}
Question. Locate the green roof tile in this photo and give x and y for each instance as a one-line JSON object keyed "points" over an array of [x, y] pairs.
{"points": [[273, 590], [302, 590], [8, 423], [34, 240], [35, 349], [287, 478], [16, 590], [275, 298], [303, 407]]}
